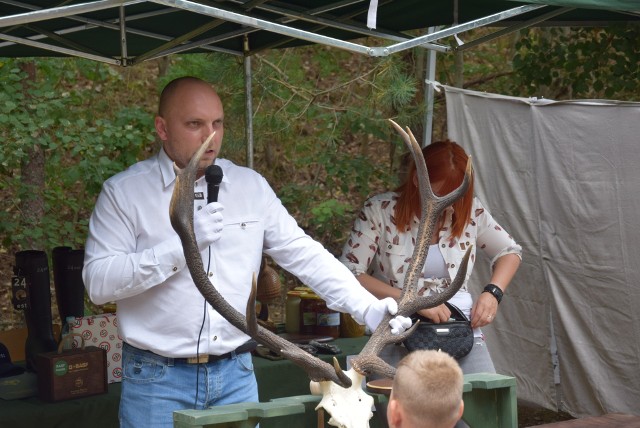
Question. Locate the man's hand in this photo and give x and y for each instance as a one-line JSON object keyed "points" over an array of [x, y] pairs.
{"points": [[207, 224], [399, 324], [373, 316]]}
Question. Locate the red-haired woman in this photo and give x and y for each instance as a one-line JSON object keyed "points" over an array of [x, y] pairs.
{"points": [[383, 236]]}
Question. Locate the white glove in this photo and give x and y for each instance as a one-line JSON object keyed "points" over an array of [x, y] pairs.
{"points": [[207, 224], [377, 310], [399, 324]]}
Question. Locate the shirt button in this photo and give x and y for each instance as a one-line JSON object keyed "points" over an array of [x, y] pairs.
{"points": [[443, 245], [215, 338], [210, 274], [175, 268], [199, 207], [390, 246], [453, 265], [243, 225]]}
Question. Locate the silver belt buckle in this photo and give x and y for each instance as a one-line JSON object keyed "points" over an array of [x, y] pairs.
{"points": [[202, 359]]}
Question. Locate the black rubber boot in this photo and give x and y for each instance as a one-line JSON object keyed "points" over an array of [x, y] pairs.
{"points": [[33, 265], [67, 279]]}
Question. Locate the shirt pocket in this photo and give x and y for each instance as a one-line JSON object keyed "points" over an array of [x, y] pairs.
{"points": [[140, 369], [245, 234]]}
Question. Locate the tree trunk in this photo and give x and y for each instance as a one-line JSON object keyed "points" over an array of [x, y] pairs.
{"points": [[32, 202]]}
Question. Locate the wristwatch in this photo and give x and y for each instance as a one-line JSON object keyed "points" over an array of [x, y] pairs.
{"points": [[494, 290]]}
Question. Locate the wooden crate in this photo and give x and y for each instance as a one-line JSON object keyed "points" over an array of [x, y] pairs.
{"points": [[71, 374]]}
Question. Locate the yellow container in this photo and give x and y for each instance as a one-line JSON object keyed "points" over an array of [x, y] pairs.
{"points": [[109, 308], [349, 327]]}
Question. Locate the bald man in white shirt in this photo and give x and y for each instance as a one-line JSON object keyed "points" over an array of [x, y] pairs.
{"points": [[135, 258]]}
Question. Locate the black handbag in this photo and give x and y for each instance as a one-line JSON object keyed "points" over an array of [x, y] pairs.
{"points": [[455, 337]]}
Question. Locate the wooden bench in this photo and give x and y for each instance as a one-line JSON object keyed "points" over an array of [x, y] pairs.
{"points": [[243, 415], [490, 402]]}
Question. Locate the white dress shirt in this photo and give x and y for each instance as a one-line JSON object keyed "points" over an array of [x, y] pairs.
{"points": [[134, 257]]}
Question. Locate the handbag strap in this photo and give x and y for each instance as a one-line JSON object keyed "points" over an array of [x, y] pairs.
{"points": [[456, 312]]}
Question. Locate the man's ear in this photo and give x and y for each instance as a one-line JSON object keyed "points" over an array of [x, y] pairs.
{"points": [[161, 128], [394, 414], [461, 411]]}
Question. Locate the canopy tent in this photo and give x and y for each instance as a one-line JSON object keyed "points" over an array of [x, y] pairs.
{"points": [[126, 32]]}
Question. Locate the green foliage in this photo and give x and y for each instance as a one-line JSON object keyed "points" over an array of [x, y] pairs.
{"points": [[316, 140], [564, 63], [83, 144], [321, 135], [329, 216], [319, 130]]}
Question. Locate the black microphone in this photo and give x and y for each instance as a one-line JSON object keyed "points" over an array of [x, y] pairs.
{"points": [[213, 176]]}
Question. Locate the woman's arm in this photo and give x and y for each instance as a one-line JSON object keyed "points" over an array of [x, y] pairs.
{"points": [[504, 270], [485, 307]]}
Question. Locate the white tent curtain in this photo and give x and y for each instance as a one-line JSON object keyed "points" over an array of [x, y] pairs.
{"points": [[564, 179]]}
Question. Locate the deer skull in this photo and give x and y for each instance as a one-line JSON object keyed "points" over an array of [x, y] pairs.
{"points": [[348, 407]]}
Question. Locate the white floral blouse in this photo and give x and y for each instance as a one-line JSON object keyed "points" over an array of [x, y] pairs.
{"points": [[377, 248]]}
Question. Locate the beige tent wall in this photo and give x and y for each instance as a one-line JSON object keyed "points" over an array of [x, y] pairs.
{"points": [[564, 179]]}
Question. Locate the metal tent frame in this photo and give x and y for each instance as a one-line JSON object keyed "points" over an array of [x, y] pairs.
{"points": [[128, 32]]}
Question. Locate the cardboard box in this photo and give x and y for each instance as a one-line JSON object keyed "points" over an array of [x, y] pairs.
{"points": [[63, 375], [102, 331]]}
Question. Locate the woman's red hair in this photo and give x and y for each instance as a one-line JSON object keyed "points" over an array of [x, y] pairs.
{"points": [[446, 162]]}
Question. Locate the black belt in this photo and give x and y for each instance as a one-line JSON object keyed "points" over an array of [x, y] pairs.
{"points": [[248, 346]]}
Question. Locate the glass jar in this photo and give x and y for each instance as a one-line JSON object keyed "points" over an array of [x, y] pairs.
{"points": [[292, 311], [327, 320], [308, 312]]}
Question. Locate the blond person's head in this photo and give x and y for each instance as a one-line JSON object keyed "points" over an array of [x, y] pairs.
{"points": [[427, 391]]}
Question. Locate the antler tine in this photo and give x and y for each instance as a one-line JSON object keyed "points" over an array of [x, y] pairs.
{"points": [[181, 215], [410, 301], [252, 319], [432, 207]]}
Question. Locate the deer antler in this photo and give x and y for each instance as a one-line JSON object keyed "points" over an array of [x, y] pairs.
{"points": [[181, 214], [368, 362], [342, 394]]}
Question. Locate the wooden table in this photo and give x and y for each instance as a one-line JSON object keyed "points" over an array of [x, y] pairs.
{"points": [[490, 400]]}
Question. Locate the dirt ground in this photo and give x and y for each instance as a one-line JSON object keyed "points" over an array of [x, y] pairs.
{"points": [[529, 416]]}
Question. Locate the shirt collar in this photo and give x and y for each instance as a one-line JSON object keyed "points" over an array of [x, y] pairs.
{"points": [[166, 168], [169, 175]]}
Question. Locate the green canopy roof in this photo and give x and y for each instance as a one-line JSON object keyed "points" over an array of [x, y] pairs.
{"points": [[128, 32]]}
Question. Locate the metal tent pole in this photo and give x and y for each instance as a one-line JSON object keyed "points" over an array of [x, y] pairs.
{"points": [[429, 99], [248, 103]]}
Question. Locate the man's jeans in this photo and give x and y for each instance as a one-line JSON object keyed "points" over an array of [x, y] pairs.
{"points": [[154, 386]]}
